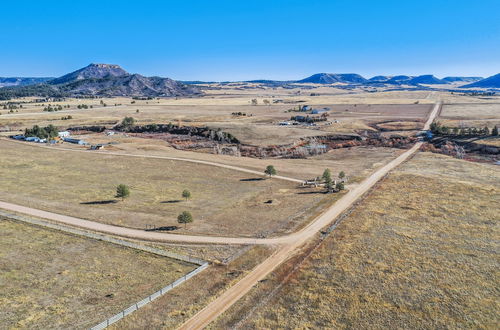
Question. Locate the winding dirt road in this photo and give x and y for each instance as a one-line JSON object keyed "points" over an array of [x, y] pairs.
{"points": [[294, 241], [289, 244]]}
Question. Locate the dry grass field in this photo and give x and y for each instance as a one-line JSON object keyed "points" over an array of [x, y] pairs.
{"points": [[357, 162], [471, 115], [53, 280], [224, 202], [420, 252], [171, 310], [353, 110]]}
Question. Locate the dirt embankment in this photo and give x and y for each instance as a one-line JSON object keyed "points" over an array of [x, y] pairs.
{"points": [[219, 142], [311, 146], [470, 149]]}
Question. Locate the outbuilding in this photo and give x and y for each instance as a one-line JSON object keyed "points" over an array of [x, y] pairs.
{"points": [[75, 141]]}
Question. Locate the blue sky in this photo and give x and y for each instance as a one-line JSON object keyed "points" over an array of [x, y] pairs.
{"points": [[252, 39]]}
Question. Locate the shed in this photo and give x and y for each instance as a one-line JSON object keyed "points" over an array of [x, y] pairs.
{"points": [[63, 134], [75, 141]]}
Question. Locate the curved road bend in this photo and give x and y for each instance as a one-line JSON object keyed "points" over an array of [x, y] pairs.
{"points": [[294, 241], [189, 160], [324, 219], [289, 243]]}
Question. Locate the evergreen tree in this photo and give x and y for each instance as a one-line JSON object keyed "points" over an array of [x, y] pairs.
{"points": [[270, 170], [327, 175], [185, 217], [122, 191], [494, 131], [186, 194]]}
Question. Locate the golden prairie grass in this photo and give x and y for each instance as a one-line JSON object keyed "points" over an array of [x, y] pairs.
{"points": [[419, 252], [50, 279], [172, 309], [224, 202]]}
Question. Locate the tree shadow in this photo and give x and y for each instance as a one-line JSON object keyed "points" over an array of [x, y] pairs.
{"points": [[311, 192], [171, 201], [252, 179], [165, 228], [111, 201]]}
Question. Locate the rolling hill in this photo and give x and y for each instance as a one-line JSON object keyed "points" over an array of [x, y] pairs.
{"points": [[331, 78], [461, 79], [490, 82], [102, 80], [22, 81]]}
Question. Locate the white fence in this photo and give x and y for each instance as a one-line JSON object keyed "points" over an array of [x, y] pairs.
{"points": [[148, 299], [102, 237], [202, 264]]}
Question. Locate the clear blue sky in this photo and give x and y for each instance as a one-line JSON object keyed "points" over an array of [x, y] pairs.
{"points": [[251, 39]]}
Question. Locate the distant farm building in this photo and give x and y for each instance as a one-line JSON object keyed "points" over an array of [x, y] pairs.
{"points": [[75, 141], [318, 111], [63, 134]]}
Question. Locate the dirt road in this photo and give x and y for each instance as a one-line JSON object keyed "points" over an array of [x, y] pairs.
{"points": [[189, 160], [324, 219], [289, 244], [294, 241]]}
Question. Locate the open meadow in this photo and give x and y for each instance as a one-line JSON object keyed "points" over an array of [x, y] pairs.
{"points": [[223, 202], [471, 115], [53, 280], [419, 252]]}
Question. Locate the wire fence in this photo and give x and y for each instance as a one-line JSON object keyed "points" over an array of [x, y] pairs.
{"points": [[201, 263], [103, 237], [148, 299]]}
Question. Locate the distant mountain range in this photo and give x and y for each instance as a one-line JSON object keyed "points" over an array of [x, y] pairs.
{"points": [[21, 81], [356, 79], [101, 80], [331, 78], [490, 82], [461, 79], [112, 80]]}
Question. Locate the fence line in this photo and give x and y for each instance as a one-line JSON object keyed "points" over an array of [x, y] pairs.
{"points": [[103, 237], [148, 299], [201, 263]]}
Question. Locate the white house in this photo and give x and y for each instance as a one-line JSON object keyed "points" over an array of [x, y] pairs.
{"points": [[63, 134]]}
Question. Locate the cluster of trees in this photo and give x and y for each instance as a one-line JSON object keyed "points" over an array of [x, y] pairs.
{"points": [[95, 128], [48, 132], [265, 101], [329, 184], [143, 98], [84, 106], [307, 119], [239, 113], [67, 117], [12, 106], [128, 125], [51, 108], [7, 93], [439, 129], [128, 122]]}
